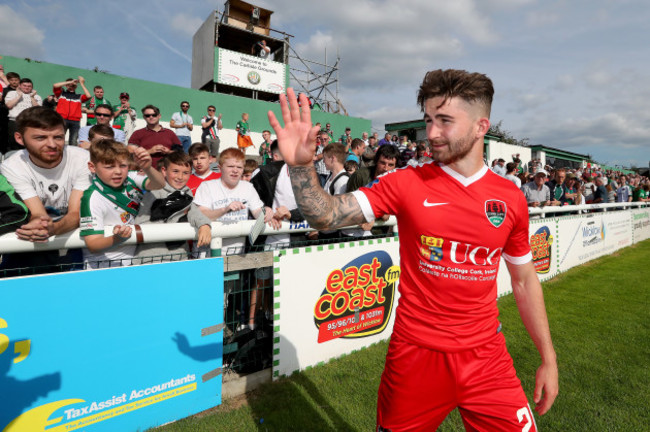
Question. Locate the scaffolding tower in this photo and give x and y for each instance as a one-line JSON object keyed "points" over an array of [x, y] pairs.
{"points": [[232, 37]]}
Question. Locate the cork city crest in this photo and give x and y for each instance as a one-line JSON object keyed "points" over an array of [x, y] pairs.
{"points": [[495, 211]]}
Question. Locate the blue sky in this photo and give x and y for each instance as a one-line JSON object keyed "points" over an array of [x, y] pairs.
{"points": [[568, 74]]}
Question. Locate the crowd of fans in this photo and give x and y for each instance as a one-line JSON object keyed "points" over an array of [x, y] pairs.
{"points": [[548, 186], [111, 174]]}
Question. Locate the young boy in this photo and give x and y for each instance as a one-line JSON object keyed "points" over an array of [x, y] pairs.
{"points": [[228, 199], [171, 204], [351, 166], [249, 167], [201, 159], [243, 134], [113, 198]]}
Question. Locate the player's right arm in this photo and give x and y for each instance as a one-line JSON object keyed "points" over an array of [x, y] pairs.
{"points": [[296, 142]]}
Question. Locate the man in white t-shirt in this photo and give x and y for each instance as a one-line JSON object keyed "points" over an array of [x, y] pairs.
{"points": [[49, 176], [18, 101], [182, 123], [229, 199]]}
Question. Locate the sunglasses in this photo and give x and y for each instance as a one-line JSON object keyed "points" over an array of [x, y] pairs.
{"points": [[185, 106], [150, 115], [211, 110], [102, 115]]}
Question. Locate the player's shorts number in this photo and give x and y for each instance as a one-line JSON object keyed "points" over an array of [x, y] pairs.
{"points": [[523, 414]]}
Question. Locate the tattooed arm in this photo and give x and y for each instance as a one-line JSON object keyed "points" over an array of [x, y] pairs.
{"points": [[322, 210], [297, 144]]}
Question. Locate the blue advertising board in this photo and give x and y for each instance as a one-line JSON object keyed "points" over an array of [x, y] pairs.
{"points": [[110, 350]]}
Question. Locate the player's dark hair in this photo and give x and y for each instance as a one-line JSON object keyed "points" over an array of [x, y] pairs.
{"points": [[26, 80], [38, 117], [450, 83]]}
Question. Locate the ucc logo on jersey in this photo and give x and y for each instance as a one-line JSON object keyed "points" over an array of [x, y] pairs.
{"points": [[495, 210], [431, 248]]}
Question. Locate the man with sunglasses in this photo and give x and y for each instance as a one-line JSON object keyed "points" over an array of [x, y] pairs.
{"points": [[103, 115], [154, 138], [183, 123]]}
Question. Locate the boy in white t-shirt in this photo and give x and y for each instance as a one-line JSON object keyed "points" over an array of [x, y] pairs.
{"points": [[113, 198], [229, 199]]}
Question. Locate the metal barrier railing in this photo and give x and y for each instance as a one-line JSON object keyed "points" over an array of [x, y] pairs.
{"points": [[248, 280], [584, 208]]}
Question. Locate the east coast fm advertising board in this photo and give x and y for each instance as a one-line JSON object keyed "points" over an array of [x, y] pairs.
{"points": [[331, 300], [110, 350]]}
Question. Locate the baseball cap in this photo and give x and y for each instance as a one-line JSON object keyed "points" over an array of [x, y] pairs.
{"points": [[541, 171], [124, 95]]}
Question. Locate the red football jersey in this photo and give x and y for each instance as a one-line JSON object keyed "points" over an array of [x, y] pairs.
{"points": [[194, 181], [453, 231]]}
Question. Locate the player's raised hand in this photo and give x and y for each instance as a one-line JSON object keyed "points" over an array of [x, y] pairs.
{"points": [[297, 140]]}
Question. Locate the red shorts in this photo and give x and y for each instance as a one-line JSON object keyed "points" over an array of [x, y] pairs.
{"points": [[420, 387]]}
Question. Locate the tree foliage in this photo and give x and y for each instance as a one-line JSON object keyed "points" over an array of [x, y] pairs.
{"points": [[505, 136]]}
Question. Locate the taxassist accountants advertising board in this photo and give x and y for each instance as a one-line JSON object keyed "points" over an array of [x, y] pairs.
{"points": [[110, 350]]}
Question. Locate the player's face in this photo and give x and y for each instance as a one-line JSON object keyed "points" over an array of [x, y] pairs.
{"points": [[540, 180], [45, 146], [452, 128], [112, 174], [99, 93], [201, 163], [231, 172], [176, 175], [266, 136], [384, 165]]}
